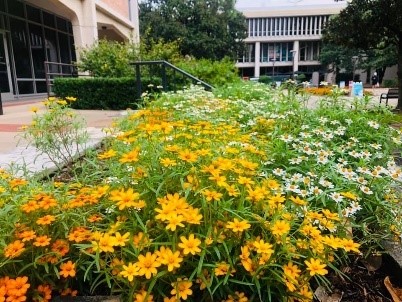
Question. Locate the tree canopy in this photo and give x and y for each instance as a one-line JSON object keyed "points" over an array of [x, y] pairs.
{"points": [[370, 25], [209, 29]]}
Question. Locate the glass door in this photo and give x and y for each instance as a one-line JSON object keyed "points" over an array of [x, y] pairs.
{"points": [[6, 86]]}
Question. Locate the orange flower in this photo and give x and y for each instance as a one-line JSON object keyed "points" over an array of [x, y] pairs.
{"points": [[18, 287], [27, 235], [42, 241], [60, 247], [48, 219], [45, 293], [14, 249], [67, 269], [30, 206], [68, 292]]}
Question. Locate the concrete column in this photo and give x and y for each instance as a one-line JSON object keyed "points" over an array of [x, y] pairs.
{"points": [[296, 54], [134, 18], [257, 60], [84, 23]]}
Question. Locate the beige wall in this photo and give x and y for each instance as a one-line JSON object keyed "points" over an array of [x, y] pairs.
{"points": [[120, 6], [96, 18]]}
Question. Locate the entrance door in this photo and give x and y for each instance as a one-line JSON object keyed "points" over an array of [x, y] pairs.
{"points": [[6, 86]]}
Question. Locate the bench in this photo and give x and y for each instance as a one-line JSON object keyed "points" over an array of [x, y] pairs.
{"points": [[393, 93]]}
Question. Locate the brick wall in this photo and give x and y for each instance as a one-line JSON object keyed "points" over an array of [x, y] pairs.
{"points": [[119, 6]]}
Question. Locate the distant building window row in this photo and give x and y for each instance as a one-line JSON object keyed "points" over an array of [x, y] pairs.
{"points": [[282, 52], [286, 26]]}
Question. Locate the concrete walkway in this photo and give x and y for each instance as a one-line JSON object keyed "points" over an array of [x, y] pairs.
{"points": [[14, 151]]}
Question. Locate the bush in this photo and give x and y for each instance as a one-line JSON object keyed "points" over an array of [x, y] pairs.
{"points": [[390, 83], [98, 93], [215, 73], [107, 59], [265, 79], [112, 59]]}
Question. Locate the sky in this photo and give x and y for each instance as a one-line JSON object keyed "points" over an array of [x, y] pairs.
{"points": [[244, 4]]}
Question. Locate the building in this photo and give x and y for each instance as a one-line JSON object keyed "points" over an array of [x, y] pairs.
{"points": [[35, 31], [283, 37]]}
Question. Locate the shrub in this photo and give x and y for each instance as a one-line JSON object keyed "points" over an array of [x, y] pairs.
{"points": [[265, 79], [112, 59], [98, 93], [390, 83], [107, 59], [215, 73]]}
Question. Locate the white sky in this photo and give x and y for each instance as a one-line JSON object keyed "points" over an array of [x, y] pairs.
{"points": [[244, 4]]}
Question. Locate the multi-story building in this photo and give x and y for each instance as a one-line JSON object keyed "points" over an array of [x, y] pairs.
{"points": [[35, 31], [283, 37]]}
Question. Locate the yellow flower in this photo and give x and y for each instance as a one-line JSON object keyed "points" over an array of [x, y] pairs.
{"points": [[188, 156], [174, 221], [349, 245], [34, 109], [222, 269], [237, 225], [182, 289], [143, 296], [190, 245], [120, 240], [106, 243], [170, 258], [107, 154], [129, 271], [167, 162], [211, 195], [147, 265], [315, 267], [280, 228], [131, 156], [125, 199], [263, 247], [291, 271]]}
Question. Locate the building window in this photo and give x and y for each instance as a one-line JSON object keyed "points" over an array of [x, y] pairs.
{"points": [[309, 50]]}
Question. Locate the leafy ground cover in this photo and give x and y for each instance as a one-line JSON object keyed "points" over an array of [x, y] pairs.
{"points": [[241, 195]]}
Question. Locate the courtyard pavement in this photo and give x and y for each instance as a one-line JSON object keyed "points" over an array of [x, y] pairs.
{"points": [[14, 151]]}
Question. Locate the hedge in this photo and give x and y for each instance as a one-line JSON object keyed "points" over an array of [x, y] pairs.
{"points": [[98, 93]]}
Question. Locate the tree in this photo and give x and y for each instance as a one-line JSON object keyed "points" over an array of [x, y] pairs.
{"points": [[369, 25], [209, 29]]}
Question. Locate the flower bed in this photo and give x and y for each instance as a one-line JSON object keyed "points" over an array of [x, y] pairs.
{"points": [[206, 198]]}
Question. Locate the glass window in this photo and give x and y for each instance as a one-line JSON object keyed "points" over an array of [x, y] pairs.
{"points": [[16, 8], [72, 46], [2, 6], [21, 51], [33, 14], [48, 19], [64, 48], [69, 27], [37, 50], [52, 52], [25, 87], [41, 86], [61, 24]]}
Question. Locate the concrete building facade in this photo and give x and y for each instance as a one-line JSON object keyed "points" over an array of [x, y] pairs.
{"points": [[284, 38], [35, 31]]}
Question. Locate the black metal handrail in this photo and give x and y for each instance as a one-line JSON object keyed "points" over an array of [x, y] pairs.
{"points": [[163, 75]]}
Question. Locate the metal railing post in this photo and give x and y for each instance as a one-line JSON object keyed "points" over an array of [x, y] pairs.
{"points": [[138, 80], [164, 79]]}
